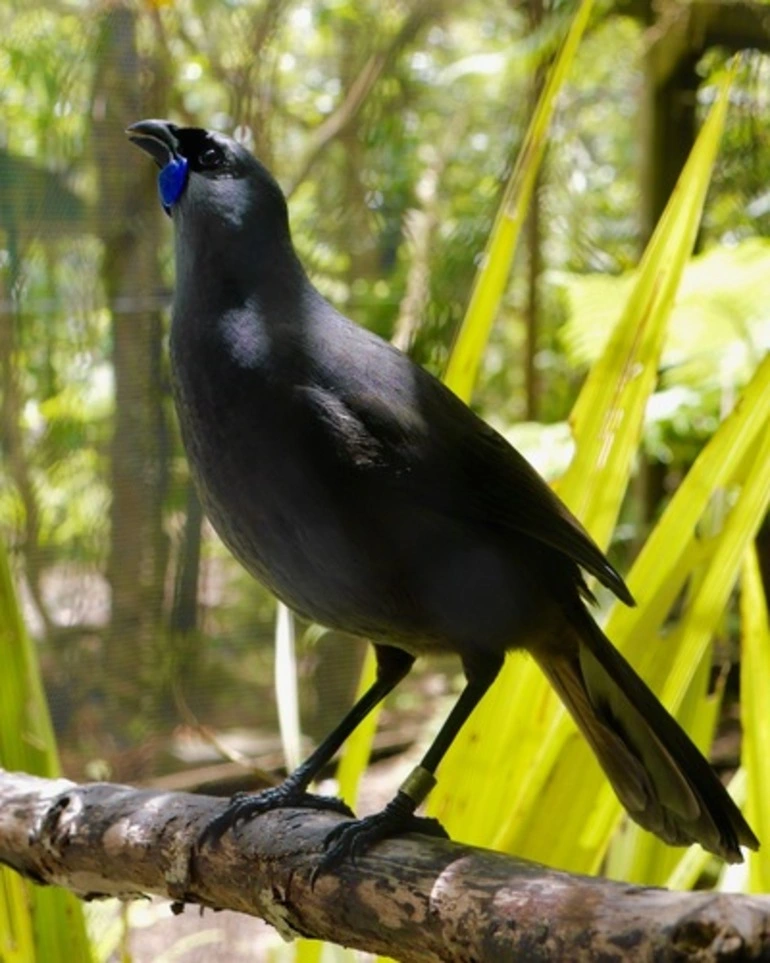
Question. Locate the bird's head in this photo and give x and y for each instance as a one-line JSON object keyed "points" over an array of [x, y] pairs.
{"points": [[210, 180]]}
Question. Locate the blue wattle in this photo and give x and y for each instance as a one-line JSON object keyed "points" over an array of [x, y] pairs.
{"points": [[171, 181]]}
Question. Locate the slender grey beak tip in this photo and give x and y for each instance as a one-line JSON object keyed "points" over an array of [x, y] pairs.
{"points": [[155, 137]]}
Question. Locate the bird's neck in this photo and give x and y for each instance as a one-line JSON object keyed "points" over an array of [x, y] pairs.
{"points": [[212, 276], [242, 307]]}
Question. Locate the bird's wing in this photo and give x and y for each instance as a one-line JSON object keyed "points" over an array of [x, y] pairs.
{"points": [[422, 445], [507, 491]]}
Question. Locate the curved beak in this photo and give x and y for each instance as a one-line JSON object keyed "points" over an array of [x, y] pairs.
{"points": [[157, 138]]}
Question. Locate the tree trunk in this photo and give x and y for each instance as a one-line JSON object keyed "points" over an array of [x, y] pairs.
{"points": [[129, 226], [669, 131], [679, 37]]}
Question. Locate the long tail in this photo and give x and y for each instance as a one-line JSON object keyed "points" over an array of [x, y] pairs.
{"points": [[657, 772]]}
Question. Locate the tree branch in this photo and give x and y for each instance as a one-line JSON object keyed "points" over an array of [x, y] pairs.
{"points": [[418, 899], [423, 13]]}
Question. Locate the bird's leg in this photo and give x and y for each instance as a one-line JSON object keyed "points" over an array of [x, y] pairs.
{"points": [[354, 838], [392, 665]]}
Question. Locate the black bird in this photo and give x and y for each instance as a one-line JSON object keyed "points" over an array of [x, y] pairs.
{"points": [[370, 499]]}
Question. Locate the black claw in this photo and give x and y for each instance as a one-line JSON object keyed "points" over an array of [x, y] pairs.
{"points": [[244, 806], [353, 839]]}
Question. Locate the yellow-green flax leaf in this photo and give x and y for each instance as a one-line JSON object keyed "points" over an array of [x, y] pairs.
{"points": [[17, 943], [713, 579], [674, 553], [307, 951], [287, 686], [492, 276], [485, 299], [608, 417], [668, 555], [755, 714], [670, 670], [359, 746], [519, 757], [710, 599], [26, 736], [38, 925]]}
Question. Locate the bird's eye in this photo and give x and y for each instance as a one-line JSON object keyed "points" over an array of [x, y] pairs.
{"points": [[210, 158]]}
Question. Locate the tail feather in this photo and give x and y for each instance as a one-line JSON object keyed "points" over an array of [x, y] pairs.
{"points": [[659, 775]]}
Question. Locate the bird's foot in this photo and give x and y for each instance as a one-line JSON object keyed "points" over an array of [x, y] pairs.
{"points": [[244, 806], [353, 839]]}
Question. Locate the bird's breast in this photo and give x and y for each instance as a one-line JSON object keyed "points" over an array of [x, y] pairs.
{"points": [[273, 487], [303, 494]]}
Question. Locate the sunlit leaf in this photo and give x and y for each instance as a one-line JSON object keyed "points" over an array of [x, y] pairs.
{"points": [[359, 746], [519, 757], [636, 855], [46, 925], [609, 414], [755, 713], [718, 327], [492, 276], [675, 552]]}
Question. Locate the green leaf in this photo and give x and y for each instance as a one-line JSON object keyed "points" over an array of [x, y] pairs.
{"points": [[636, 855], [492, 276], [519, 756], [755, 714], [718, 328], [608, 417], [669, 554], [675, 553], [359, 746], [38, 924]]}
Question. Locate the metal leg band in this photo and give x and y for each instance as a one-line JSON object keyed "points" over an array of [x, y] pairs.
{"points": [[418, 784]]}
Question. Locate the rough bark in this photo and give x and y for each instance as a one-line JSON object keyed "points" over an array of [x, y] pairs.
{"points": [[417, 899]]}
